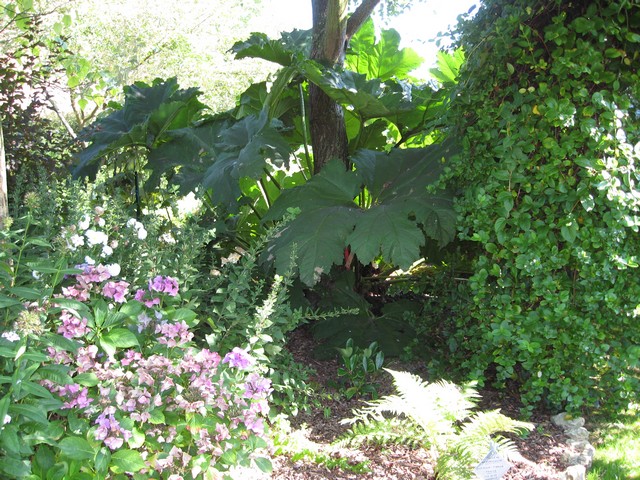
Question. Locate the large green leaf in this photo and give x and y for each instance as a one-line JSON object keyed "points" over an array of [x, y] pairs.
{"points": [[216, 154], [317, 238], [401, 212], [332, 187], [369, 98], [76, 448], [399, 180], [126, 460], [318, 234], [148, 112], [192, 149], [290, 46], [448, 67], [386, 230], [380, 57]]}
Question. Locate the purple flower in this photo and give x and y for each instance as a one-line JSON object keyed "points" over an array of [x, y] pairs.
{"points": [[238, 358], [157, 284], [257, 386], [166, 285], [109, 429]]}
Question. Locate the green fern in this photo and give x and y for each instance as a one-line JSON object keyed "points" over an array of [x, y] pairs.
{"points": [[381, 431], [437, 416]]}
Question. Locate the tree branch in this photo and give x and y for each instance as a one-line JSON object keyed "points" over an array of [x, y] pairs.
{"points": [[360, 16], [55, 108]]}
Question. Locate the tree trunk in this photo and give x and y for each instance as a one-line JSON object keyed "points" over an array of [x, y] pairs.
{"points": [[331, 34], [4, 194]]}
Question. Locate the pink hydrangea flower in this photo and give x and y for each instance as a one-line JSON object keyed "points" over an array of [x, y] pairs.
{"points": [[72, 327], [239, 358], [166, 285], [257, 386], [116, 291], [174, 334]]}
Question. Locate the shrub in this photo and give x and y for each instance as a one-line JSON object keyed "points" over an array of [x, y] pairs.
{"points": [[547, 106], [128, 390]]}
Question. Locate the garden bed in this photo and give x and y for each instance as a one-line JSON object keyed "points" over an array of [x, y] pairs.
{"points": [[541, 451]]}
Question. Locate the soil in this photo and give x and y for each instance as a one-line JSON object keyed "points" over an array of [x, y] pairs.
{"points": [[540, 457]]}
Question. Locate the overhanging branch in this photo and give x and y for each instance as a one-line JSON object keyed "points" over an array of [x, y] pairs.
{"points": [[362, 13]]}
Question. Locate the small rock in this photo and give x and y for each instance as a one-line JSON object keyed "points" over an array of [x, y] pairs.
{"points": [[565, 421], [576, 472], [579, 433]]}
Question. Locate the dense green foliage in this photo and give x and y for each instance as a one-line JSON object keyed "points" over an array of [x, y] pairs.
{"points": [[548, 107], [29, 60]]}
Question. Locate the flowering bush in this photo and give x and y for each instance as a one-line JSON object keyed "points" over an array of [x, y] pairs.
{"points": [[144, 399]]}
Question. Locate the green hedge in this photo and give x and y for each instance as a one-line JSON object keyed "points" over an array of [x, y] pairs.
{"points": [[548, 107]]}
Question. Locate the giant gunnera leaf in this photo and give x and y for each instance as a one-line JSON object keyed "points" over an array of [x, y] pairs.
{"points": [[149, 111], [400, 213], [327, 216]]}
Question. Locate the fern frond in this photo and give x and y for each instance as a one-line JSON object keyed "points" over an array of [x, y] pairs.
{"points": [[482, 425], [429, 414], [478, 431], [383, 431]]}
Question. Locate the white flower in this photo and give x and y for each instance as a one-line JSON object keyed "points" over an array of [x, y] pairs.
{"points": [[12, 337], [188, 205], [113, 269], [96, 238], [138, 227], [76, 241], [106, 251], [167, 238], [99, 210], [6, 419], [84, 222], [36, 275], [101, 222], [143, 321], [89, 261]]}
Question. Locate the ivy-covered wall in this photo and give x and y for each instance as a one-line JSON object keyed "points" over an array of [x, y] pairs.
{"points": [[548, 106]]}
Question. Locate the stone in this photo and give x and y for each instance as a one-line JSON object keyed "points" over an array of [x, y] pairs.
{"points": [[579, 433], [576, 472], [564, 420]]}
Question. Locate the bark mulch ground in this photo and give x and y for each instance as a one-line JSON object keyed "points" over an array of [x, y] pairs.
{"points": [[541, 451]]}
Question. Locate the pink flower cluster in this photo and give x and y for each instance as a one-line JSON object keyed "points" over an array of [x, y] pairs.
{"points": [[173, 334], [116, 291], [166, 285], [75, 396], [134, 385], [109, 429], [239, 358], [72, 326], [160, 284]]}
